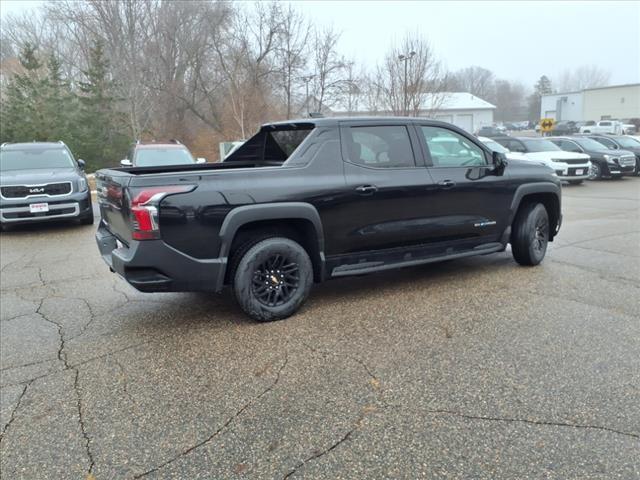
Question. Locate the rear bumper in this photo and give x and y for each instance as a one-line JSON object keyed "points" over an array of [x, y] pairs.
{"points": [[154, 266]]}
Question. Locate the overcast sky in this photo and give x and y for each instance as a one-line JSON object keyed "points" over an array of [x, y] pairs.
{"points": [[516, 40]]}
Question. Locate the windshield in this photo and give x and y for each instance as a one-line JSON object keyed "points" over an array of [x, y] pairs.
{"points": [[495, 146], [539, 145], [154, 157], [628, 142], [40, 158], [589, 144]]}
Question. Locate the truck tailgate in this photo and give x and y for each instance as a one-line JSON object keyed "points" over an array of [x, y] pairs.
{"points": [[112, 194]]}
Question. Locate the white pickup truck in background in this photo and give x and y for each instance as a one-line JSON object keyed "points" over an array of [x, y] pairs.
{"points": [[612, 127]]}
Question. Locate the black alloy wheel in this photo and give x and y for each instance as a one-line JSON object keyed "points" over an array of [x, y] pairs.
{"points": [[540, 235], [276, 280], [530, 234], [272, 278]]}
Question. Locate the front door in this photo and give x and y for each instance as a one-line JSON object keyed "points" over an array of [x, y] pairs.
{"points": [[470, 202]]}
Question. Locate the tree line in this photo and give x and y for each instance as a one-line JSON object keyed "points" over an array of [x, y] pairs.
{"points": [[99, 73]]}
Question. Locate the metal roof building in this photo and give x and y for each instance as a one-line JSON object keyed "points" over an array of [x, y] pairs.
{"points": [[459, 108]]}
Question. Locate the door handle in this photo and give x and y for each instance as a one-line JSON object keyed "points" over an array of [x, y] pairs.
{"points": [[446, 183], [366, 189]]}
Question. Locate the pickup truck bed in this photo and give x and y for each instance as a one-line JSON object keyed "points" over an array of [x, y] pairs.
{"points": [[308, 201]]}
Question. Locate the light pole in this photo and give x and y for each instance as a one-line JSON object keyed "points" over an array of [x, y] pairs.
{"points": [[406, 58]]}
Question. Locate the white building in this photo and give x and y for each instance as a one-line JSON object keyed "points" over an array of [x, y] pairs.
{"points": [[562, 106], [460, 108], [604, 103], [610, 103]]}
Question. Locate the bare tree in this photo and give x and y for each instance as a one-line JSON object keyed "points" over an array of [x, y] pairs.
{"points": [[585, 76], [291, 53], [423, 86], [245, 56], [475, 80], [328, 68], [352, 87], [179, 47], [372, 97], [509, 99]]}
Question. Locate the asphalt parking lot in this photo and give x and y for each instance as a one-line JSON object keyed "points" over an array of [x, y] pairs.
{"points": [[476, 368]]}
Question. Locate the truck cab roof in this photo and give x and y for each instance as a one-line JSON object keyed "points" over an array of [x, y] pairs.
{"points": [[335, 121]]}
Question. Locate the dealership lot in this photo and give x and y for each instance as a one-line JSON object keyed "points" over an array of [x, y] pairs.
{"points": [[475, 368]]}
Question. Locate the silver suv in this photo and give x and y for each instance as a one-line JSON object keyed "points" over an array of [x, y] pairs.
{"points": [[41, 181]]}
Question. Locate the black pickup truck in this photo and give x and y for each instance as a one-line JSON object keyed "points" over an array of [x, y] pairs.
{"points": [[309, 200]]}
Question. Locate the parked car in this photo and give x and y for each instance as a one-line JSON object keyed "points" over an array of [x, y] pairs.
{"points": [[41, 181], [154, 154], [605, 126], [490, 132], [564, 128], [621, 142], [309, 200], [628, 128], [496, 147], [604, 163], [570, 167]]}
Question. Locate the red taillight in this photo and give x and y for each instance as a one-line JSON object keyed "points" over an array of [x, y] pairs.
{"points": [[144, 208]]}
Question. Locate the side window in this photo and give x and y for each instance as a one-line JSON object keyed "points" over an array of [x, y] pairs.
{"points": [[449, 149], [607, 143], [605, 124], [516, 146], [380, 147], [569, 146]]}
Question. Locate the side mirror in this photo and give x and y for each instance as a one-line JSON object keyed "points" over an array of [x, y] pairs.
{"points": [[126, 163], [201, 160], [81, 163], [499, 162]]}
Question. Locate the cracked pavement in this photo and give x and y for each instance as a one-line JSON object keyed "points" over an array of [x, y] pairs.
{"points": [[476, 368]]}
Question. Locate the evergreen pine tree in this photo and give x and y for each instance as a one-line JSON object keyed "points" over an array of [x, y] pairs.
{"points": [[542, 87], [103, 140], [21, 118]]}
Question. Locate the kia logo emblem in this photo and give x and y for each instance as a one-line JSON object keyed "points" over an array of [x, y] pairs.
{"points": [[36, 190]]}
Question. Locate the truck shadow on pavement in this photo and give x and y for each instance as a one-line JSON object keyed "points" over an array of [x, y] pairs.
{"points": [[177, 311]]}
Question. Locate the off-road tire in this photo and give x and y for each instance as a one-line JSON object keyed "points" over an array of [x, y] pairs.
{"points": [[249, 275], [530, 234]]}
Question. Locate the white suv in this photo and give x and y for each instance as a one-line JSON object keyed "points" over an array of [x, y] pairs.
{"points": [[569, 166]]}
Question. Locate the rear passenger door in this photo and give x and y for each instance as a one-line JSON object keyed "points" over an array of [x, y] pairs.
{"points": [[470, 202], [387, 187]]}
